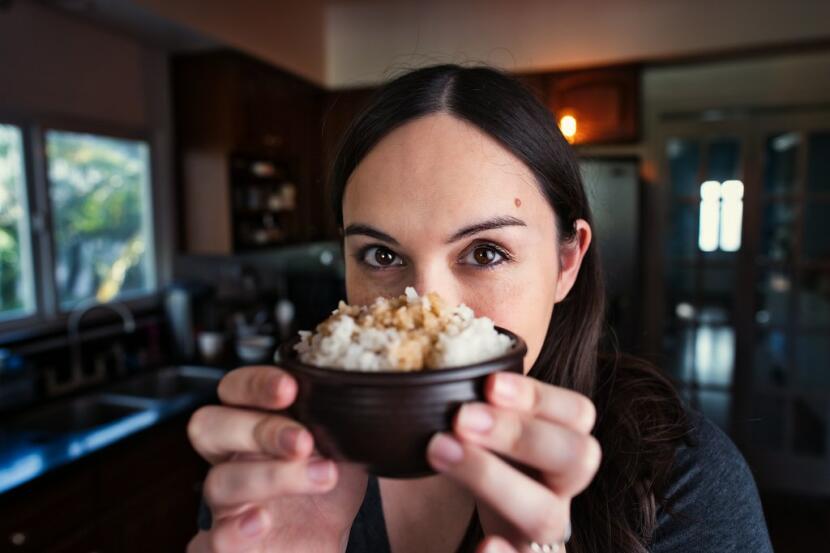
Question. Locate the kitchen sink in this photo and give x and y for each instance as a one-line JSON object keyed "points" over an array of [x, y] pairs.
{"points": [[76, 415], [171, 382]]}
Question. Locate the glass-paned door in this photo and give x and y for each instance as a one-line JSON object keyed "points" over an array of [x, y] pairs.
{"points": [[747, 287], [705, 230]]}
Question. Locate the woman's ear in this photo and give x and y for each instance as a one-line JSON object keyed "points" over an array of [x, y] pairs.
{"points": [[570, 259]]}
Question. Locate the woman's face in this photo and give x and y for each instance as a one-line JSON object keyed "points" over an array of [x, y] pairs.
{"points": [[441, 206]]}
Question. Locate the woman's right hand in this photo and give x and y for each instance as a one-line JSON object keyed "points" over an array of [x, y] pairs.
{"points": [[268, 490]]}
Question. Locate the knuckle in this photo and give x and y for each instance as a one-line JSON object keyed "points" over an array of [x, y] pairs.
{"points": [[514, 429], [266, 433], [272, 476], [536, 398]]}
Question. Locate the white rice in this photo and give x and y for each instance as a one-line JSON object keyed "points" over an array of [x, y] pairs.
{"points": [[407, 333]]}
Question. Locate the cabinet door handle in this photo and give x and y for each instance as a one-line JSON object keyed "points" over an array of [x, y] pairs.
{"points": [[18, 539]]}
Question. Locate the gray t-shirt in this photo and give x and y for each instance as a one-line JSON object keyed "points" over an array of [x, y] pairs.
{"points": [[716, 504]]}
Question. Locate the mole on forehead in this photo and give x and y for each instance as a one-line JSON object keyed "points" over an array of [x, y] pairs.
{"points": [[518, 202]]}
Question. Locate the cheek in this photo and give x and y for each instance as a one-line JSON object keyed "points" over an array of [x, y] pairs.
{"points": [[520, 304]]}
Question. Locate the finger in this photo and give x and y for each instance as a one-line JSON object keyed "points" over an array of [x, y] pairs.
{"points": [[542, 400], [236, 483], [495, 544], [216, 432], [200, 543], [568, 460], [242, 533], [526, 504], [258, 386]]}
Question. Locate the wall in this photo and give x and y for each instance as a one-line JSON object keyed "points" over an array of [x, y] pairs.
{"points": [[56, 68], [369, 40], [289, 35]]}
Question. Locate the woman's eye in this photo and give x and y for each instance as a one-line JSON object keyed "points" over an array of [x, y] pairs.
{"points": [[484, 255], [378, 256]]}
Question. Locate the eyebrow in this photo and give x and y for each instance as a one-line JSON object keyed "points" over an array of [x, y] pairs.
{"points": [[488, 224], [372, 232]]}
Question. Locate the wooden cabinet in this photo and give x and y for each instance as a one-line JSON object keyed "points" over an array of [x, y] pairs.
{"points": [[227, 104], [44, 516], [604, 102], [138, 495]]}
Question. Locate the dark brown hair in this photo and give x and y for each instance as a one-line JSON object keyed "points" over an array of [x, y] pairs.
{"points": [[640, 416]]}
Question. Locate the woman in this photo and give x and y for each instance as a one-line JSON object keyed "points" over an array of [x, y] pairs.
{"points": [[457, 180]]}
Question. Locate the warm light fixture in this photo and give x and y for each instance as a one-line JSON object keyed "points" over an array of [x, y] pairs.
{"points": [[567, 124]]}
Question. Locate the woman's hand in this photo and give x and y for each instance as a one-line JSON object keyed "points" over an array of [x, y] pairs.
{"points": [[268, 490], [524, 455]]}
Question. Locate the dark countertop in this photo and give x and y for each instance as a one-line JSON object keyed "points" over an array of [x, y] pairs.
{"points": [[25, 455]]}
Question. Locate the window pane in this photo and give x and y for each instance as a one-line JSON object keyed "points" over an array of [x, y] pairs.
{"points": [[684, 159], [684, 232], [767, 420], [715, 405], [717, 294], [773, 299], [816, 231], [818, 169], [99, 188], [777, 231], [813, 358], [16, 279], [814, 298], [772, 354], [810, 421], [714, 354], [724, 160], [780, 167]]}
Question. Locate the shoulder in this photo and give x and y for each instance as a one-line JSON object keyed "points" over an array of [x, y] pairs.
{"points": [[712, 501]]}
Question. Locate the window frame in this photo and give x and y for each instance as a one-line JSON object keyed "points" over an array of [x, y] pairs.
{"points": [[35, 316], [48, 316]]}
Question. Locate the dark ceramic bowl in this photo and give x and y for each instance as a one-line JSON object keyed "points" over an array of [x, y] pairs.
{"points": [[384, 420]]}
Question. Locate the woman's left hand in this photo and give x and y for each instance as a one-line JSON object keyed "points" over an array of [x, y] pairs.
{"points": [[524, 455]]}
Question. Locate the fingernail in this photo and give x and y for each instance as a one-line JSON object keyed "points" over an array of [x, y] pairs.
{"points": [[285, 386], [319, 471], [475, 418], [289, 438], [445, 450], [252, 524], [505, 387]]}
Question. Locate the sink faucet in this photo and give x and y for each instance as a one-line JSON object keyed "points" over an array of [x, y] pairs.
{"points": [[73, 326]]}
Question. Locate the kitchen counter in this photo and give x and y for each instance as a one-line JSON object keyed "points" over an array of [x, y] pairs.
{"points": [[40, 441]]}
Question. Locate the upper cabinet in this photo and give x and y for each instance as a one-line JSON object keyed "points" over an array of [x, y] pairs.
{"points": [[601, 106], [249, 155]]}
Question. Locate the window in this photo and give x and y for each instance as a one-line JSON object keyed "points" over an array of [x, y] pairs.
{"points": [[100, 203], [80, 230], [16, 278], [721, 215]]}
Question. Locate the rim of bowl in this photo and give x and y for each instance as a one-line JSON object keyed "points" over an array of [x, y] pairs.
{"points": [[334, 375]]}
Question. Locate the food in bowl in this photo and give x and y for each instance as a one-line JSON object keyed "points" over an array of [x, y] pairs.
{"points": [[406, 333], [408, 369]]}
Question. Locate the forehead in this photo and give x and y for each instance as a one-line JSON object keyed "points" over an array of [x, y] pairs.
{"points": [[435, 171]]}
